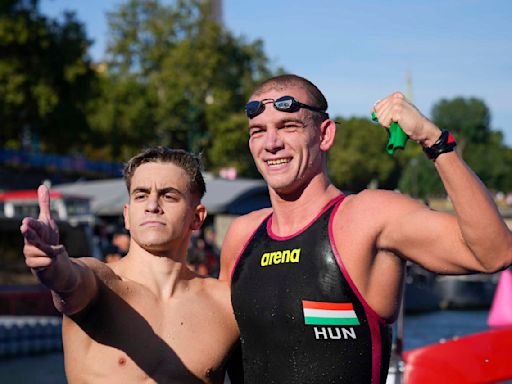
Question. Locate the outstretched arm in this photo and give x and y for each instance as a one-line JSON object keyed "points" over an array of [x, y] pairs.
{"points": [[476, 238], [72, 283]]}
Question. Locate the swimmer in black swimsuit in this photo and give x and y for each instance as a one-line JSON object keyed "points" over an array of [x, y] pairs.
{"points": [[316, 279]]}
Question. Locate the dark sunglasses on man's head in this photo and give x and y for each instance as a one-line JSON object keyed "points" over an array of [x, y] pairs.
{"points": [[283, 104]]}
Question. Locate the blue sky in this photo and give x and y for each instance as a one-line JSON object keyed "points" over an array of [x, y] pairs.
{"points": [[360, 51]]}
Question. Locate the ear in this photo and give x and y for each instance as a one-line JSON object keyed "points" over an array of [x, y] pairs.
{"points": [[199, 217], [126, 216], [327, 134]]}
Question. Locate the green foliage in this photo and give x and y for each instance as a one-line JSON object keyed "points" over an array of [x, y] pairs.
{"points": [[232, 149], [419, 178], [481, 147], [122, 118], [358, 156], [175, 77], [491, 161], [45, 79], [467, 118], [193, 75]]}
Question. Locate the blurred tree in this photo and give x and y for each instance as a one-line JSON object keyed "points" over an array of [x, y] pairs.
{"points": [[482, 148], [122, 118], [491, 161], [193, 75], [419, 178], [358, 157], [46, 79], [468, 119]]}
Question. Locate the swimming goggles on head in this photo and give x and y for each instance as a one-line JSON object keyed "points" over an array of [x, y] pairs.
{"points": [[284, 104]]}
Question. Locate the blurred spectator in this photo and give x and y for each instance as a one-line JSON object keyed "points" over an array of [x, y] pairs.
{"points": [[101, 239], [196, 257], [111, 253], [118, 247], [203, 253], [212, 252], [211, 238], [121, 239]]}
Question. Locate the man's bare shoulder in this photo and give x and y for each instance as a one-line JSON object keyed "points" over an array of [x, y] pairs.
{"points": [[239, 232], [217, 290], [376, 201], [375, 212], [370, 195], [255, 217], [243, 227]]}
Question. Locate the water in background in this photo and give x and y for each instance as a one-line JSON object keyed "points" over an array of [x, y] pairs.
{"points": [[419, 330], [428, 328]]}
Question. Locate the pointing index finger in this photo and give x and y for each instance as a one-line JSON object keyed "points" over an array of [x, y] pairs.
{"points": [[43, 197]]}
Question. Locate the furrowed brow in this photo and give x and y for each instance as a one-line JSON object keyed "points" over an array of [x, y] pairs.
{"points": [[163, 191], [141, 190]]}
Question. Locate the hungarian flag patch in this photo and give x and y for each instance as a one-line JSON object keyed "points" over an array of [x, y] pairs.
{"points": [[321, 313]]}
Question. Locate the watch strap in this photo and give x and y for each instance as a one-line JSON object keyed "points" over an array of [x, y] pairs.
{"points": [[445, 143]]}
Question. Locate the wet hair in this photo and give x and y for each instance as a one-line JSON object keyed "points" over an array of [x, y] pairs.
{"points": [[281, 82], [187, 161]]}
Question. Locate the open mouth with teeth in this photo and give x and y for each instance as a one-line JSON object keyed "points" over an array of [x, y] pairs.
{"points": [[278, 161]]}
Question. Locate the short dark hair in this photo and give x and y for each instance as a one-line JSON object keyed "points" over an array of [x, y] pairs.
{"points": [[289, 80], [187, 161]]}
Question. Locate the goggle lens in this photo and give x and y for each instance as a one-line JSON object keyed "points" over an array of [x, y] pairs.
{"points": [[254, 108], [283, 104]]}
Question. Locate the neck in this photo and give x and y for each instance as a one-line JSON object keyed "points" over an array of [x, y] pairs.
{"points": [[291, 212], [165, 274]]}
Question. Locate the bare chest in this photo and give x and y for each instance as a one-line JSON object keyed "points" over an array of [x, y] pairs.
{"points": [[148, 340]]}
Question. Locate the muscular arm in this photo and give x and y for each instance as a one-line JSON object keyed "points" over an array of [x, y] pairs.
{"points": [[483, 230], [474, 239]]}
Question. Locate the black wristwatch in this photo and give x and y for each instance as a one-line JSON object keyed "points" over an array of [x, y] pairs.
{"points": [[445, 143]]}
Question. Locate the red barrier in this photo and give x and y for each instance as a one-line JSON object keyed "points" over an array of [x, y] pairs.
{"points": [[482, 357]]}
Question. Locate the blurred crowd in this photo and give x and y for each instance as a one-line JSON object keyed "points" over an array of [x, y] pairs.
{"points": [[203, 252]]}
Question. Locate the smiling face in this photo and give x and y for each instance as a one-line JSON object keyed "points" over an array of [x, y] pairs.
{"points": [[288, 148], [162, 212]]}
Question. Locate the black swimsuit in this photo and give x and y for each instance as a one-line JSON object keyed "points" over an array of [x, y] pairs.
{"points": [[301, 318]]}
